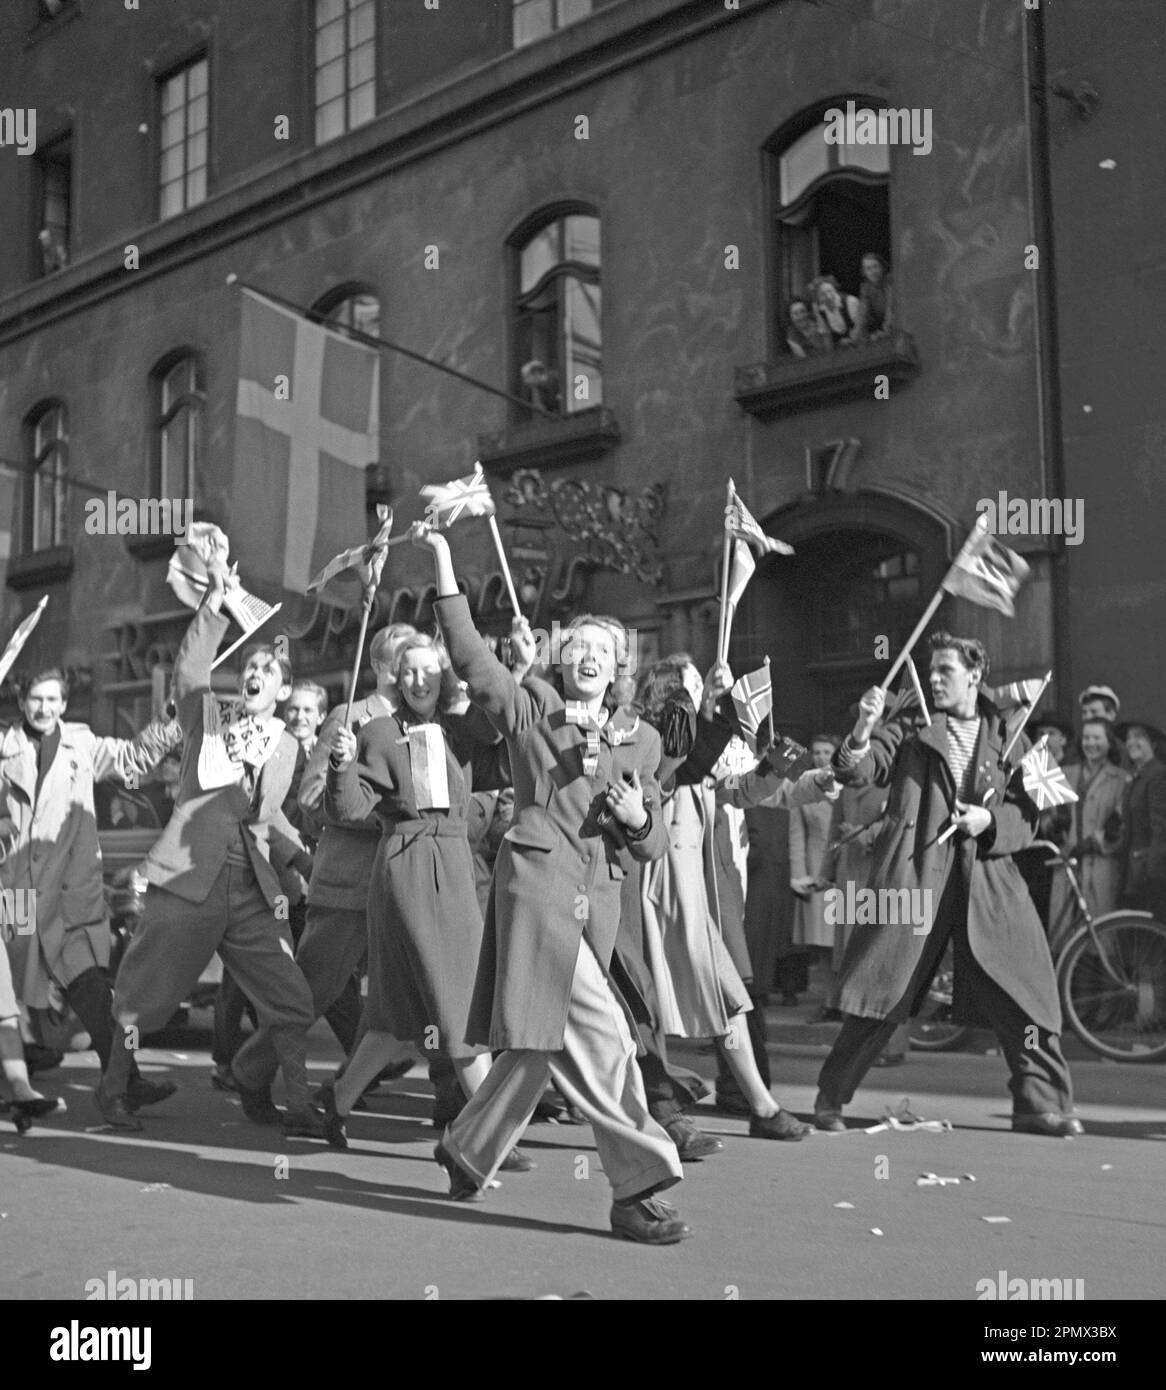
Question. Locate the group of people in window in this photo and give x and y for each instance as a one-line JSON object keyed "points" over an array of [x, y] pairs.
{"points": [[825, 318]]}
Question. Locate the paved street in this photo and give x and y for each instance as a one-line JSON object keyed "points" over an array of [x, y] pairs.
{"points": [[198, 1197]]}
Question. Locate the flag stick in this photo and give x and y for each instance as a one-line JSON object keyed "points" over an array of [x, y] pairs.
{"points": [[222, 656], [723, 628], [928, 614], [769, 711], [370, 594], [919, 690], [493, 520], [1027, 717]]}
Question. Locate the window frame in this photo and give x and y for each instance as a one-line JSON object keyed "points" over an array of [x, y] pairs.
{"points": [[325, 306], [557, 26], [65, 136], [189, 60], [778, 291], [35, 461], [193, 401], [560, 270], [313, 70]]}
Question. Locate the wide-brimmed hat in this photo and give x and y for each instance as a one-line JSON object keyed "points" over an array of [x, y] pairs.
{"points": [[1050, 719], [1157, 737]]}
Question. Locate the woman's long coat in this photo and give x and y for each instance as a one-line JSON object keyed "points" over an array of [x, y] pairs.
{"points": [[809, 838], [424, 923], [559, 872], [1095, 818], [1004, 931], [851, 862]]}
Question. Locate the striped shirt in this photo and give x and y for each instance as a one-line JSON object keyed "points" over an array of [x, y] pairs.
{"points": [[962, 736]]}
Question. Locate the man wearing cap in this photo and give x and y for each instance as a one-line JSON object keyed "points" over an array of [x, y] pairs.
{"points": [[1099, 702]]}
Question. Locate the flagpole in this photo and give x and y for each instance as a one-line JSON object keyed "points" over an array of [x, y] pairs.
{"points": [[726, 553], [769, 711], [1027, 717], [928, 614], [222, 656], [493, 520], [370, 594], [915, 681]]}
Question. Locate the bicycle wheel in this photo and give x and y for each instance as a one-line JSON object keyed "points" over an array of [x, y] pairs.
{"points": [[932, 1029], [1113, 987]]}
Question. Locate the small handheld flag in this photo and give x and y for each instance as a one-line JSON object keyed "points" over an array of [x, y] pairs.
{"points": [[363, 564], [1043, 779], [20, 637], [985, 572], [446, 503], [743, 526], [753, 700]]}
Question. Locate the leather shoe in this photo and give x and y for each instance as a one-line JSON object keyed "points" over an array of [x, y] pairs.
{"points": [[649, 1221], [692, 1144], [115, 1112], [1050, 1123], [23, 1112], [734, 1105], [783, 1125], [258, 1106], [828, 1117], [307, 1123], [463, 1187], [222, 1079], [333, 1120], [141, 1092], [517, 1162]]}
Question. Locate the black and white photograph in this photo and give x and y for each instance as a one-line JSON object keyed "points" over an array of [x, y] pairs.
{"points": [[583, 666]]}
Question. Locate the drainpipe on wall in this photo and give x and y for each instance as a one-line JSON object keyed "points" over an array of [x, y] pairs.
{"points": [[1048, 361]]}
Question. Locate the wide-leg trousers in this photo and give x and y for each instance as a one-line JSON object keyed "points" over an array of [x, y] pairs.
{"points": [[1039, 1078], [596, 1072], [173, 943]]}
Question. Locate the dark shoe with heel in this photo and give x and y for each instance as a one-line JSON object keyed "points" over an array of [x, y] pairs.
{"points": [[463, 1186], [827, 1116], [258, 1105], [305, 1123], [1051, 1124], [334, 1132], [517, 1162], [783, 1125], [692, 1144], [141, 1092], [24, 1112], [115, 1112], [649, 1221]]}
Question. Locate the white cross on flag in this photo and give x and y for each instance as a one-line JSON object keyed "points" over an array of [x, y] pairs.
{"points": [[300, 452], [1043, 779], [753, 699]]}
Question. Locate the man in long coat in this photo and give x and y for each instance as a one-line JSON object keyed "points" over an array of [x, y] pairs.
{"points": [[946, 775], [49, 845]]}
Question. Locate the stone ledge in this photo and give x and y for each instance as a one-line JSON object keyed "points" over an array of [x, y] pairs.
{"points": [[792, 384]]}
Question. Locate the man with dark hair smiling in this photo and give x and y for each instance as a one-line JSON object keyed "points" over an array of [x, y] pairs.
{"points": [[948, 777], [49, 845], [214, 871]]}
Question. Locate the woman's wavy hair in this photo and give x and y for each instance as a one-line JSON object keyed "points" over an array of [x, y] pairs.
{"points": [[1113, 744], [421, 641], [619, 637], [659, 683]]}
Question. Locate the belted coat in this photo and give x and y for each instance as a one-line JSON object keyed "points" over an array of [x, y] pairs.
{"points": [[559, 872], [1004, 931]]}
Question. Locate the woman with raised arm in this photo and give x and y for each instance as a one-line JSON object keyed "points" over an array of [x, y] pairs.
{"points": [[586, 803], [412, 769]]}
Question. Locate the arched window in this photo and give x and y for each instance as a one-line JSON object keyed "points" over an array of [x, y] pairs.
{"points": [[557, 335], [867, 598], [46, 510], [178, 396], [351, 306], [830, 202]]}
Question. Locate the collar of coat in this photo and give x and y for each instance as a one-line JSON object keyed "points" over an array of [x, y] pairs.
{"points": [[995, 733], [18, 754], [622, 726]]}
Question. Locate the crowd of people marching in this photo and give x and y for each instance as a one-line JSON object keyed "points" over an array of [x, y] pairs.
{"points": [[545, 875]]}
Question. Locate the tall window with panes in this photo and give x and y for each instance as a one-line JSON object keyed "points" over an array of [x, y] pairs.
{"points": [[46, 514], [345, 40], [184, 102], [534, 19], [54, 222]]}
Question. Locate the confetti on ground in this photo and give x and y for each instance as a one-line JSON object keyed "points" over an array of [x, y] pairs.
{"points": [[933, 1180], [970, 1177], [155, 1187], [875, 1231], [1105, 1167], [993, 1219], [844, 1206], [1108, 164]]}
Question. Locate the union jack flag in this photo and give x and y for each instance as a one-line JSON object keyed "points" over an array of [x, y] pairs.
{"points": [[1043, 779], [363, 563], [446, 503], [20, 637], [1018, 694], [753, 699], [741, 523], [986, 572]]}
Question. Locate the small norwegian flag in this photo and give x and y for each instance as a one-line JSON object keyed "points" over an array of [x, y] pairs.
{"points": [[753, 700], [1043, 779]]}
